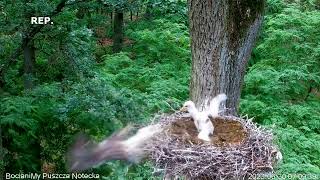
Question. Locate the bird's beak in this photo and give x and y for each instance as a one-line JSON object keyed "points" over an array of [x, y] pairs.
{"points": [[183, 109]]}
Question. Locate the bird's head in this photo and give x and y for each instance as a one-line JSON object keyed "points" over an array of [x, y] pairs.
{"points": [[188, 106]]}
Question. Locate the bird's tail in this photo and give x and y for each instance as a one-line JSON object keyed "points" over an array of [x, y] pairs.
{"points": [[215, 104]]}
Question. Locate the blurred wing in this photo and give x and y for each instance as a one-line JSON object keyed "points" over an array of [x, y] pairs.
{"points": [[137, 142], [215, 104], [86, 153]]}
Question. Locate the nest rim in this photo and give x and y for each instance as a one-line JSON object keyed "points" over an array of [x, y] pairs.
{"points": [[206, 161]]}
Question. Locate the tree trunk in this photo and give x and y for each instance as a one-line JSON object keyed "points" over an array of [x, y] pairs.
{"points": [[148, 14], [131, 14], [118, 32], [111, 18], [29, 62], [222, 37]]}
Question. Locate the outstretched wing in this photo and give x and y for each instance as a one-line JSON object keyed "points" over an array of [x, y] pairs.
{"points": [[215, 104], [86, 153]]}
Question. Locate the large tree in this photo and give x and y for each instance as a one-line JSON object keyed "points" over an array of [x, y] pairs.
{"points": [[118, 31], [223, 33]]}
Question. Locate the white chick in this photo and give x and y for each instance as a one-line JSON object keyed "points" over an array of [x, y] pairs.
{"points": [[201, 120], [206, 128], [205, 125], [190, 107]]}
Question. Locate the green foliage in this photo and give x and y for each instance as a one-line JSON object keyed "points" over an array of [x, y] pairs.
{"points": [[174, 10], [282, 84], [19, 129], [158, 68], [73, 93], [165, 41], [63, 50], [119, 170], [123, 5], [46, 119]]}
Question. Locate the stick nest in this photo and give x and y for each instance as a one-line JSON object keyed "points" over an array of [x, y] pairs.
{"points": [[238, 149]]}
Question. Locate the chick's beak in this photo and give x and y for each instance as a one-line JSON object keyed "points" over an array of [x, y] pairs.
{"points": [[184, 109]]}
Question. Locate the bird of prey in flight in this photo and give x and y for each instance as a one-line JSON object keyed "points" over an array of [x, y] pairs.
{"points": [[86, 153]]}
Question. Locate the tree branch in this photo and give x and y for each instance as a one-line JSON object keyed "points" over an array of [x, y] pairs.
{"points": [[29, 35]]}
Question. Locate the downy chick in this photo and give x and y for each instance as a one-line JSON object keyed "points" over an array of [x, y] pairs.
{"points": [[206, 126], [201, 120]]}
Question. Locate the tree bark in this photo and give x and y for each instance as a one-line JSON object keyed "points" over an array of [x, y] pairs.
{"points": [[111, 18], [222, 37], [117, 32], [29, 62]]}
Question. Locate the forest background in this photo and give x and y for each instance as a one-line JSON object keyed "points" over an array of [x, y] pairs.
{"points": [[80, 82]]}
